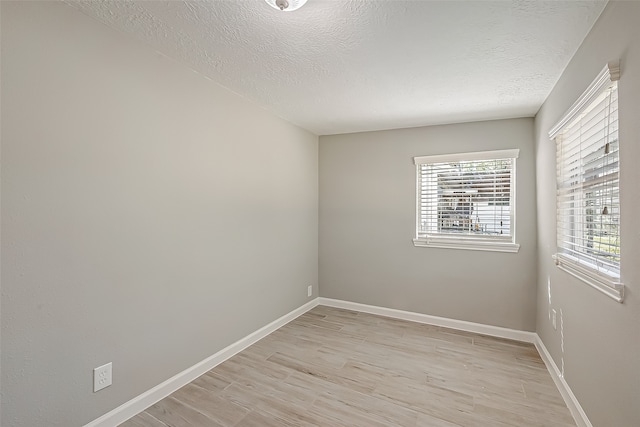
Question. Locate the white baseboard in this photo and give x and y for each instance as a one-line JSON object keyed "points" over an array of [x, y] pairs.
{"points": [[138, 404], [462, 325], [570, 399]]}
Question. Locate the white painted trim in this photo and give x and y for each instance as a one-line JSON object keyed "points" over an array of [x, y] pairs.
{"points": [[609, 74], [478, 155], [478, 244], [583, 271], [138, 404], [570, 399], [462, 325]]}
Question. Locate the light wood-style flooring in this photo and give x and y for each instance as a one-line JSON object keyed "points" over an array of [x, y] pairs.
{"points": [[333, 367]]}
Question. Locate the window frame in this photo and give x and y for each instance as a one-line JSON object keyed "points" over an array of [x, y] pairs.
{"points": [[587, 272], [465, 241]]}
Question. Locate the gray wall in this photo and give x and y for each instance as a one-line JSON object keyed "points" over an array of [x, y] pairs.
{"points": [[601, 337], [367, 221], [149, 217]]}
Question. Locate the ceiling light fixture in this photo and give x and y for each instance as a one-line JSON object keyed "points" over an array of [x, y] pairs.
{"points": [[286, 5]]}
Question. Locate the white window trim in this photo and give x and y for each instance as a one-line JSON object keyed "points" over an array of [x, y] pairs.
{"points": [[475, 243], [608, 285], [460, 157], [609, 74]]}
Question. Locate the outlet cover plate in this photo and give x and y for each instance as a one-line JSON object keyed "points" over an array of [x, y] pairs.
{"points": [[102, 377], [310, 291]]}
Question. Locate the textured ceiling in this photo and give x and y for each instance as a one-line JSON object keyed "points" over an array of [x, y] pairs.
{"points": [[338, 66]]}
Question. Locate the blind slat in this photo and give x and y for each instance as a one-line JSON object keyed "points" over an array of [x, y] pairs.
{"points": [[466, 198]]}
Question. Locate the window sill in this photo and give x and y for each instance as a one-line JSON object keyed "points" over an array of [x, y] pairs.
{"points": [[580, 270], [467, 244]]}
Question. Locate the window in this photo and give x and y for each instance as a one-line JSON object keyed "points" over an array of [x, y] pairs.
{"points": [[588, 193], [467, 201]]}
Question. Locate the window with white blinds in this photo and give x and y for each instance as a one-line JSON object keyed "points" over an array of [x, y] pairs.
{"points": [[588, 190], [467, 200]]}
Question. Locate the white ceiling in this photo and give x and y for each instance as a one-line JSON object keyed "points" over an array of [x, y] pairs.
{"points": [[339, 66]]}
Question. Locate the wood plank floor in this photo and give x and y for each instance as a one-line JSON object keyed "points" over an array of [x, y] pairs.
{"points": [[333, 367]]}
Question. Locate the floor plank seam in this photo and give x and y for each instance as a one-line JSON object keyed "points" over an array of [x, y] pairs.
{"points": [[335, 367]]}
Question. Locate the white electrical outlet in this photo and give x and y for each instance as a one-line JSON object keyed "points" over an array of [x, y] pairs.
{"points": [[310, 291], [102, 377], [553, 319]]}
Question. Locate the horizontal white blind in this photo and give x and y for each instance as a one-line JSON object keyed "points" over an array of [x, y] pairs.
{"points": [[588, 195], [466, 198]]}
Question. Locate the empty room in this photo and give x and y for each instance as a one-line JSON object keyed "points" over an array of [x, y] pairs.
{"points": [[319, 213]]}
